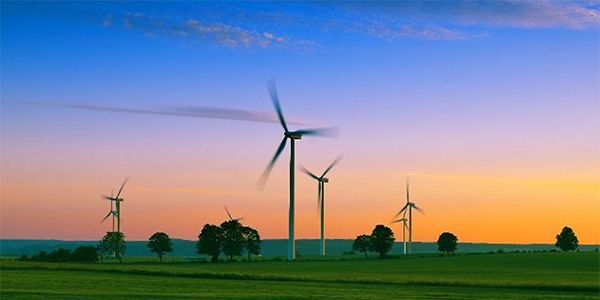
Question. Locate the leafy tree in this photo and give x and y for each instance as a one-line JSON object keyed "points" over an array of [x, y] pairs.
{"points": [[567, 240], [160, 243], [382, 240], [447, 242], [85, 254], [115, 244], [103, 249], [232, 243], [251, 241], [362, 243], [59, 255], [41, 256], [209, 241]]}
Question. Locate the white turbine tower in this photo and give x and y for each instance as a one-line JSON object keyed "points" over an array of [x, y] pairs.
{"points": [[322, 180], [409, 205], [293, 136], [117, 201]]}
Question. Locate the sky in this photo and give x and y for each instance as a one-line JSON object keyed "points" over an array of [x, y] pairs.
{"points": [[492, 108]]}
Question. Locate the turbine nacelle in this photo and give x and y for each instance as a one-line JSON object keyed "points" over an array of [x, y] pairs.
{"points": [[324, 180], [293, 135]]}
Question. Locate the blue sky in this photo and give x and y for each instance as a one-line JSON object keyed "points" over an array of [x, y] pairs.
{"points": [[479, 89]]}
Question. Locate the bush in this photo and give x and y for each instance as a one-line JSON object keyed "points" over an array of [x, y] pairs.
{"points": [[23, 257], [85, 254], [500, 251]]}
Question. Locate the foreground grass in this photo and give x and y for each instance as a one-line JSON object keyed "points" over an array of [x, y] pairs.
{"points": [[506, 276]]}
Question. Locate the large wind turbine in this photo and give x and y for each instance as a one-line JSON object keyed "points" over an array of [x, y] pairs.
{"points": [[230, 217], [409, 205], [116, 213], [404, 226], [321, 196], [292, 136]]}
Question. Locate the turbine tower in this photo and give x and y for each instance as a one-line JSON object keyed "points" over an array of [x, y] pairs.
{"points": [[409, 205], [292, 136], [117, 201], [322, 180], [230, 217]]}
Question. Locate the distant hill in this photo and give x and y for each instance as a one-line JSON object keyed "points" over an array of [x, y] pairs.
{"points": [[275, 247]]}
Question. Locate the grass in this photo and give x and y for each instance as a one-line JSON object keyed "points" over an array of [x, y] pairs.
{"points": [[489, 276]]}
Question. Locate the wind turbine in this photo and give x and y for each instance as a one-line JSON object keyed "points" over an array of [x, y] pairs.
{"points": [[404, 226], [117, 201], [322, 180], [111, 212], [230, 217], [292, 136], [409, 205]]}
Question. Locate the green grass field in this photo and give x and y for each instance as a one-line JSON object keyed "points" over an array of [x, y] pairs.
{"points": [[483, 276]]}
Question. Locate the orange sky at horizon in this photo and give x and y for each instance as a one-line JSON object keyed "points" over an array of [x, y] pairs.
{"points": [[476, 209]]}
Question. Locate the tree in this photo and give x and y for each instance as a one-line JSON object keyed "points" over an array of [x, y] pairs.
{"points": [[209, 241], [362, 243], [114, 243], [251, 241], [447, 242], [232, 243], [382, 240], [85, 254], [59, 255], [160, 243], [103, 249], [567, 240]]}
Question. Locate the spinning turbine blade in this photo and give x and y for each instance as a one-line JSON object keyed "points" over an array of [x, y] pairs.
{"points": [[265, 175], [122, 186], [275, 98], [320, 197], [418, 209], [227, 210], [332, 132], [106, 217], [303, 169], [403, 209], [407, 188], [335, 162]]}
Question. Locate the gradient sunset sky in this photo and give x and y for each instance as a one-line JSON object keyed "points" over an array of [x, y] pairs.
{"points": [[491, 107]]}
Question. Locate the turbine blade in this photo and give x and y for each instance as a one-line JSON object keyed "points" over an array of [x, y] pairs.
{"points": [[122, 186], [395, 221], [319, 197], [265, 174], [407, 188], [335, 162], [275, 99], [418, 209], [108, 198], [403, 209], [227, 210], [332, 132], [106, 217], [238, 219], [303, 169]]}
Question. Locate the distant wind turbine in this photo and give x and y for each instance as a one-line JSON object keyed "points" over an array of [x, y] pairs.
{"points": [[409, 205], [111, 212], [321, 196], [117, 201], [230, 217], [293, 136], [404, 226]]}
